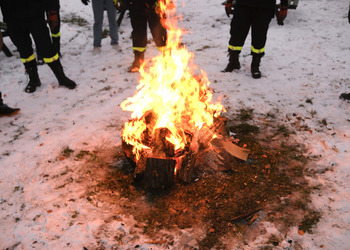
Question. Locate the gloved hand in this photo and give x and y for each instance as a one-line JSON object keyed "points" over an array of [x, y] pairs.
{"points": [[52, 18], [118, 4], [228, 8], [282, 14], [86, 2]]}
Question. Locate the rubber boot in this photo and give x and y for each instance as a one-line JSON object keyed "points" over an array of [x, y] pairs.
{"points": [[233, 61], [63, 80], [256, 74], [34, 80], [6, 110], [138, 60]]}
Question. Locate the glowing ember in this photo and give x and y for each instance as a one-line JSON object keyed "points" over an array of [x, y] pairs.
{"points": [[169, 95]]}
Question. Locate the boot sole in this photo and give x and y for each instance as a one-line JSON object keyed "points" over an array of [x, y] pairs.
{"points": [[256, 77], [68, 87], [133, 70], [10, 114], [27, 90]]}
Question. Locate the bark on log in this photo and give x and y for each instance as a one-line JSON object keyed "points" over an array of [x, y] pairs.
{"points": [[159, 173]]}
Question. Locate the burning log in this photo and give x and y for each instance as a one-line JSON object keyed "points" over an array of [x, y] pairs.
{"points": [[141, 166], [187, 163], [162, 148], [203, 153]]}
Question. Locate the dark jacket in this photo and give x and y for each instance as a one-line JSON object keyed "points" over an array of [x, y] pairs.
{"points": [[260, 3], [17, 10]]}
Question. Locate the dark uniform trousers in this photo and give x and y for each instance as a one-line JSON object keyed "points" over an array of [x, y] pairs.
{"points": [[139, 18], [245, 17], [20, 36], [55, 32]]}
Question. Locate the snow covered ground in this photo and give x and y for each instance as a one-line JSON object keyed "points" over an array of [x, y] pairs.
{"points": [[305, 69]]}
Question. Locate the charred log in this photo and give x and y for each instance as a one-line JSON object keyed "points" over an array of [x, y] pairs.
{"points": [[140, 169], [159, 173], [208, 150]]}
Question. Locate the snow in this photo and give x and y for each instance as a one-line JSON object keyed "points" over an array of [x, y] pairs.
{"points": [[306, 59]]}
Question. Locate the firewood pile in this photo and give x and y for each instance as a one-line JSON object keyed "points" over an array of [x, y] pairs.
{"points": [[160, 165]]}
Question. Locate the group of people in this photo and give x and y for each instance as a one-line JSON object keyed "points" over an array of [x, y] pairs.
{"points": [[30, 18]]}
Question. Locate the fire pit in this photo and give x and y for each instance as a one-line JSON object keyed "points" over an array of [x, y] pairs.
{"points": [[174, 119]]}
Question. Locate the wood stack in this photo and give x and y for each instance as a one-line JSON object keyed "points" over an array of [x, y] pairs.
{"points": [[156, 166]]}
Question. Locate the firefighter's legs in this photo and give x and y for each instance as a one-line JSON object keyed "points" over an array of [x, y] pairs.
{"points": [[63, 80], [56, 34], [42, 39], [34, 80], [139, 37], [260, 27], [112, 20], [233, 62], [240, 26], [20, 36], [159, 33], [139, 28], [98, 9]]}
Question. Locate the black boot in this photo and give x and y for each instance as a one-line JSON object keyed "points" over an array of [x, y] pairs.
{"points": [[63, 80], [34, 80], [6, 110], [233, 61], [256, 74], [345, 96], [138, 60]]}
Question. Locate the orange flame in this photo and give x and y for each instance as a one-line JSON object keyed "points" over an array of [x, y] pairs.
{"points": [[177, 99]]}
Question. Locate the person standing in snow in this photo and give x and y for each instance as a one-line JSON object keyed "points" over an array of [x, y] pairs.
{"points": [[98, 7], [254, 14], [25, 18], [141, 13]]}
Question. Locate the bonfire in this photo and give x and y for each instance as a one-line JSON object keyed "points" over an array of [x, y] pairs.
{"points": [[173, 115]]}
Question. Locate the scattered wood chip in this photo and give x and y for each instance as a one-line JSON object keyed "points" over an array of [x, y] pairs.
{"points": [[234, 150], [157, 242], [324, 145]]}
